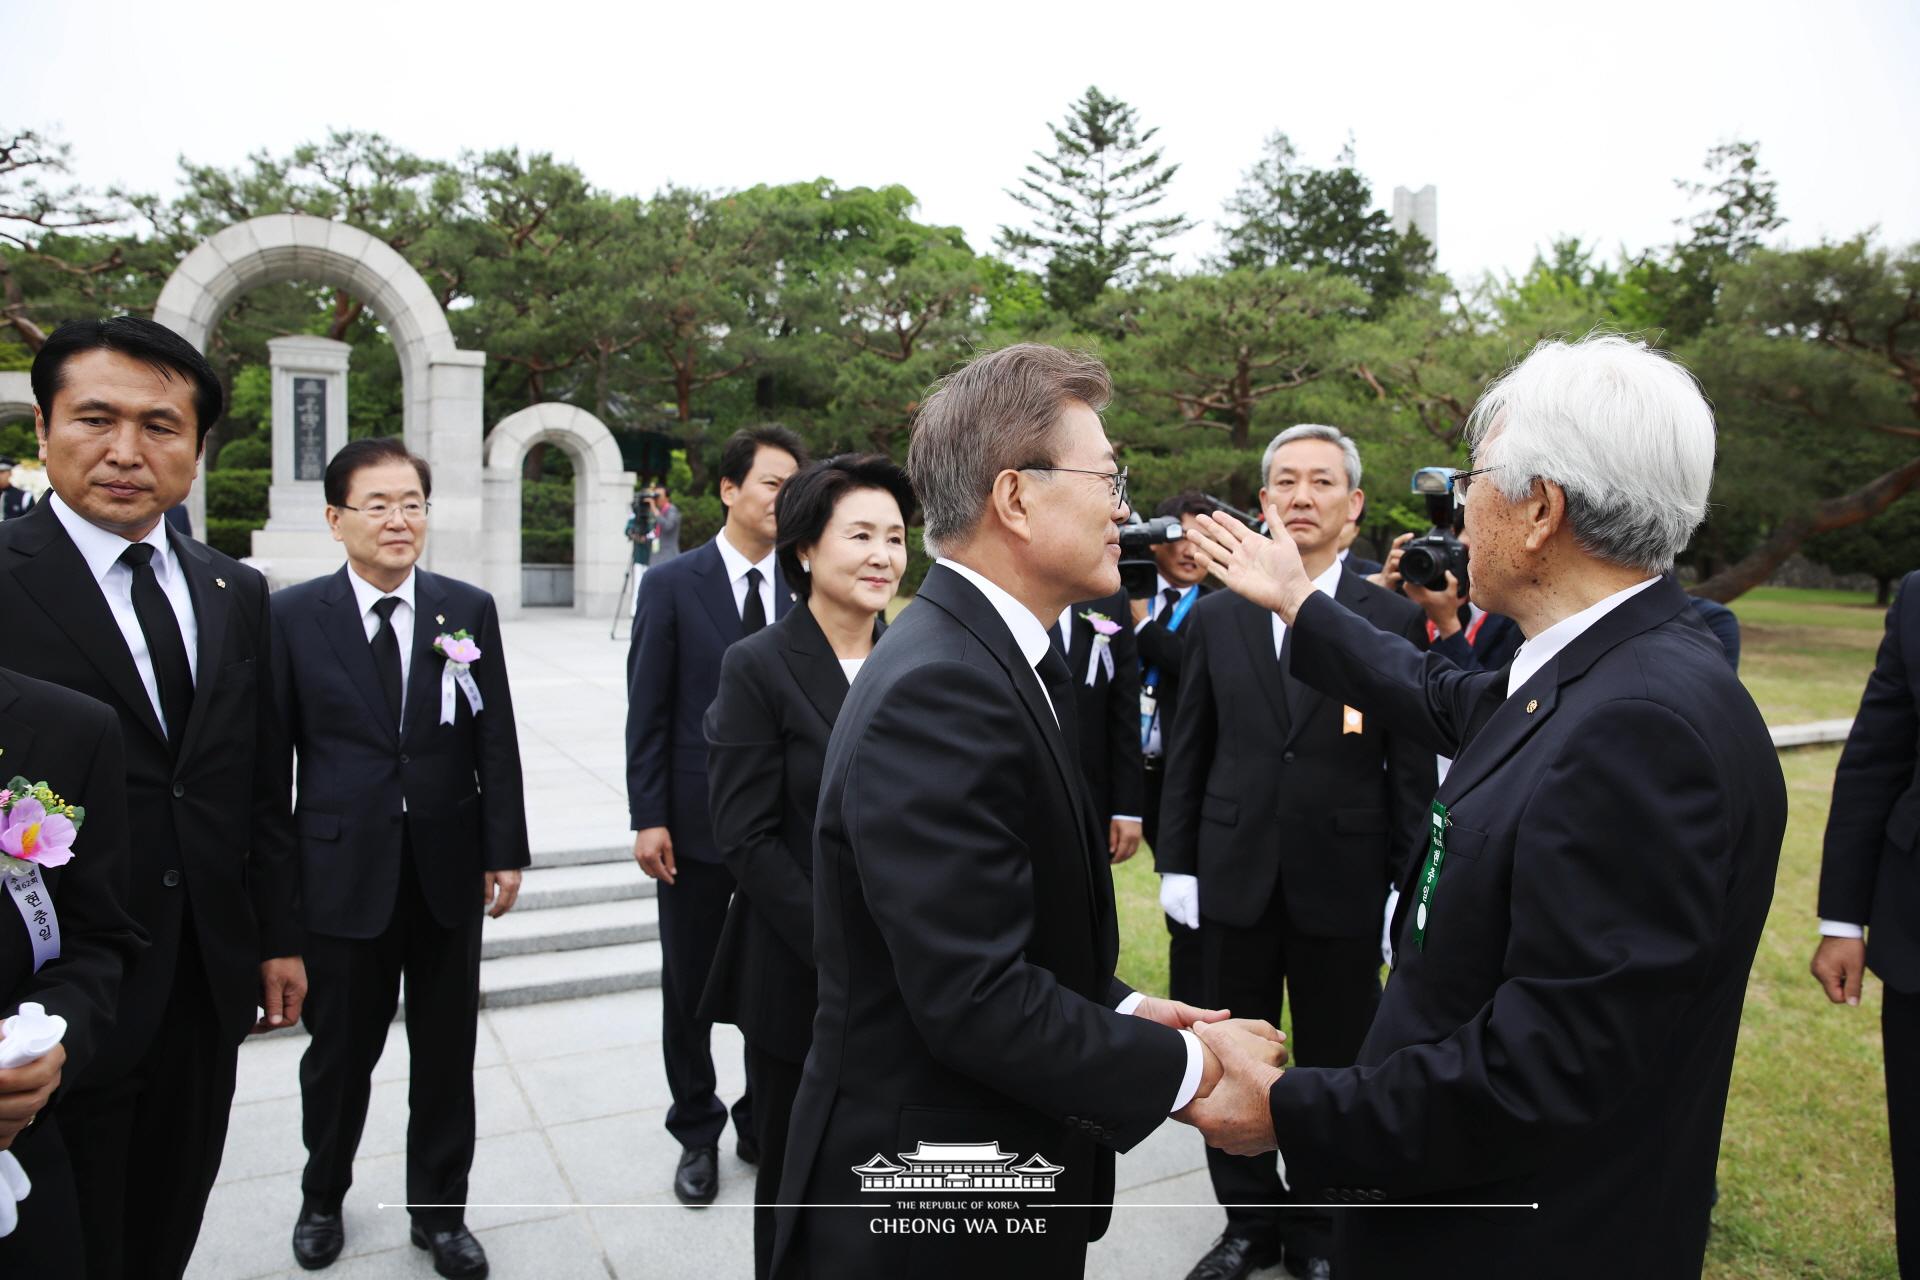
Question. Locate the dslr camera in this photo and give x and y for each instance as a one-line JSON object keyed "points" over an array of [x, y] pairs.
{"points": [[1428, 559]]}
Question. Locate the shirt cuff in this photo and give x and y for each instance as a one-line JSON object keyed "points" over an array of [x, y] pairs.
{"points": [[1130, 1003], [1141, 625], [1841, 929], [1129, 817], [1196, 1067]]}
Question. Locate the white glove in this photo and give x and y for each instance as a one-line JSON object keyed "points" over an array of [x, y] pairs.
{"points": [[1386, 928], [1180, 898]]}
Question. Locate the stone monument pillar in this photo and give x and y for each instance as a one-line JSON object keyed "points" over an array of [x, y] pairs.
{"points": [[309, 427]]}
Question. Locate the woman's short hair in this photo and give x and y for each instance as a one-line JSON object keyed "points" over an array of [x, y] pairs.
{"points": [[996, 413], [806, 504], [1624, 430]]}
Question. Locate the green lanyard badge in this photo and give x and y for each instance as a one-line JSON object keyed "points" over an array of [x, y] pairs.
{"points": [[1430, 874]]}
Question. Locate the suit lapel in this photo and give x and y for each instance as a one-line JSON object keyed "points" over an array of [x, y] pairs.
{"points": [[345, 629], [716, 592], [1255, 626], [422, 704], [16, 735], [963, 600], [211, 607], [813, 664], [1303, 700], [57, 577]]}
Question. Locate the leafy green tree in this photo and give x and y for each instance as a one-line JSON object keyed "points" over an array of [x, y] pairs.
{"points": [[1678, 290], [1090, 199], [1290, 214], [1886, 548]]}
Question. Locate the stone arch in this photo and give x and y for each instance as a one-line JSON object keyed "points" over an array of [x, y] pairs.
{"points": [[602, 493], [441, 416], [16, 395]]}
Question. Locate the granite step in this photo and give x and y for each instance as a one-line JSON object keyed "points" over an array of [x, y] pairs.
{"points": [[530, 931], [544, 887], [564, 975]]}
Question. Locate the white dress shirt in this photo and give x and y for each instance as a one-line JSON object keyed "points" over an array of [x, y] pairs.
{"points": [[1034, 643], [366, 595], [1328, 582], [102, 549], [852, 667], [1539, 650], [737, 566]]}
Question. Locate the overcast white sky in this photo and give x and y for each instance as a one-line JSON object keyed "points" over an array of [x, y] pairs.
{"points": [[1532, 120]]}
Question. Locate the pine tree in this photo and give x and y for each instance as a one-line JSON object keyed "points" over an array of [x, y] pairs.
{"points": [[1089, 197]]}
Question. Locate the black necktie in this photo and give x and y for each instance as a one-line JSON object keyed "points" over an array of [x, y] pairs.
{"points": [[1172, 595], [165, 649], [386, 655], [1059, 682], [753, 614]]}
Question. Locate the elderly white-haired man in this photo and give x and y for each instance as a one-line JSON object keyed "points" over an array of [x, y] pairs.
{"points": [[1573, 949]]}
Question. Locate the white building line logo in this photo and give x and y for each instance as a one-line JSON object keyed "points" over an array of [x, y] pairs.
{"points": [[958, 1166]]}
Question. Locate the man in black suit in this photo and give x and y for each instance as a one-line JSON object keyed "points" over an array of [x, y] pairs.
{"points": [[1094, 638], [14, 503], [175, 638], [1288, 818], [72, 963], [963, 908], [1156, 622], [691, 608], [1573, 948], [412, 821], [1870, 889]]}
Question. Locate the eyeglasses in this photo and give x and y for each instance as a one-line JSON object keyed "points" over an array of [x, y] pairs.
{"points": [[1116, 480], [379, 512], [1460, 480]]}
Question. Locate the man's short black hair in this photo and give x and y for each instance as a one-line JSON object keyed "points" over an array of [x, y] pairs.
{"points": [[371, 452], [805, 506], [145, 340], [736, 456], [1188, 502]]}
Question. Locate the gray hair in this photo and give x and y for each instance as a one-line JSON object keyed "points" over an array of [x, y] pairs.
{"points": [[1313, 431], [996, 413], [1624, 430]]}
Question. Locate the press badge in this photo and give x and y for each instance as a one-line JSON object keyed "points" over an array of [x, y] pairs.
{"points": [[1430, 874]]}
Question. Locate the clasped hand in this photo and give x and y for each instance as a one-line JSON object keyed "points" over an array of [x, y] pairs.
{"points": [[1242, 1059]]}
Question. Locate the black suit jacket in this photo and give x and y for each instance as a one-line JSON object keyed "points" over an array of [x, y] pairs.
{"points": [[213, 824], [1165, 649], [72, 743], [1870, 872], [1267, 789], [460, 785], [1566, 1032], [1491, 648], [780, 692], [965, 934], [15, 503], [684, 622], [1108, 711]]}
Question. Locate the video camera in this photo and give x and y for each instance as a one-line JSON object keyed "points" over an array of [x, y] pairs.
{"points": [[651, 493], [1138, 570], [1428, 559]]}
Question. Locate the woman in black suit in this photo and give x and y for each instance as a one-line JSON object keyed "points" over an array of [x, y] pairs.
{"points": [[72, 743], [843, 548]]}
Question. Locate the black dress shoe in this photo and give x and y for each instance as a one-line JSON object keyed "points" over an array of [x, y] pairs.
{"points": [[747, 1149], [317, 1239], [1231, 1258], [1311, 1269], [697, 1180], [456, 1254]]}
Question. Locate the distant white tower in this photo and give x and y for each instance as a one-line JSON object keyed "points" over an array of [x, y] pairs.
{"points": [[1419, 209]]}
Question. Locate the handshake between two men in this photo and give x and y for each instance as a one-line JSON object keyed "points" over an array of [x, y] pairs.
{"points": [[1242, 1058]]}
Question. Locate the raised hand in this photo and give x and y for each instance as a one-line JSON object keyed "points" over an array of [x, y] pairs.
{"points": [[1266, 571]]}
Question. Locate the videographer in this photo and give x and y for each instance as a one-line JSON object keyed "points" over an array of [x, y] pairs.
{"points": [[1431, 571], [1180, 581]]}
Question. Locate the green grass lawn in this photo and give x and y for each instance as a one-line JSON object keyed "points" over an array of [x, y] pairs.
{"points": [[1805, 1187]]}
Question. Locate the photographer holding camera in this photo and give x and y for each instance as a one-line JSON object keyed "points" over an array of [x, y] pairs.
{"points": [[1431, 571]]}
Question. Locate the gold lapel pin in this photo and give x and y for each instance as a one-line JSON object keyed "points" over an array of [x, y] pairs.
{"points": [[440, 618], [220, 583], [1533, 705]]}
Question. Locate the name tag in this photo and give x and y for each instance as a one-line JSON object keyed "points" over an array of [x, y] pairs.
{"points": [[1429, 874]]}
